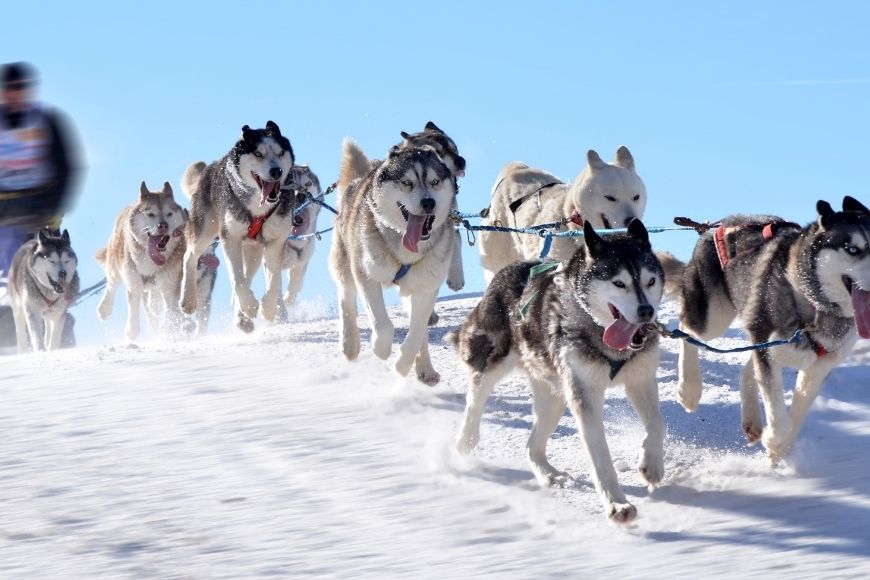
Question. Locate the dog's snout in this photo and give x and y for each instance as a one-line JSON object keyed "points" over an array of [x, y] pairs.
{"points": [[645, 312], [61, 275], [628, 220], [275, 173], [428, 204]]}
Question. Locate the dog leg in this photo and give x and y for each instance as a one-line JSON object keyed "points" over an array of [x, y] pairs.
{"points": [[372, 295], [36, 329], [750, 411], [690, 385], [587, 405], [246, 302], [104, 308], [54, 331], [347, 313], [134, 301], [777, 433], [456, 276], [295, 275], [548, 408], [418, 330], [19, 317], [481, 384], [195, 248], [809, 383], [272, 262], [644, 397], [426, 373]]}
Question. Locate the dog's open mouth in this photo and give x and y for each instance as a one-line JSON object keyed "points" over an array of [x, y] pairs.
{"points": [[300, 220], [861, 306], [57, 286], [418, 227], [156, 247], [622, 334], [269, 190]]}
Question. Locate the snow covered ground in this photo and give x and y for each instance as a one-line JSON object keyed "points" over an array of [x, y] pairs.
{"points": [[271, 456]]}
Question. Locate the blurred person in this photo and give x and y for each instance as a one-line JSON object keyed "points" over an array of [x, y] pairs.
{"points": [[37, 171]]}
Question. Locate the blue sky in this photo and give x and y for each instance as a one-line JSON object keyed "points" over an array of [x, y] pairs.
{"points": [[750, 107]]}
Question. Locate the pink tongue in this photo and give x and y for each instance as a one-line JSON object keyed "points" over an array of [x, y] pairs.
{"points": [[618, 335], [154, 252], [413, 232], [267, 187], [861, 306]]}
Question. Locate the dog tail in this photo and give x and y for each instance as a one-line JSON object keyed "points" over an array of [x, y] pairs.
{"points": [[190, 179], [101, 256], [354, 163], [673, 273], [452, 338]]}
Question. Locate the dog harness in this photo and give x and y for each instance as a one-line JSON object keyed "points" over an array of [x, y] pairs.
{"points": [[403, 269], [515, 204], [728, 250], [258, 221]]}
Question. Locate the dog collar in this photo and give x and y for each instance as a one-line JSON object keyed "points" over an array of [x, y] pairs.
{"points": [[403, 269]]}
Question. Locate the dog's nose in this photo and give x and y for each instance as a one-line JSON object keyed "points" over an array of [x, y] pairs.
{"points": [[645, 312], [428, 204], [61, 275], [275, 173], [162, 226], [628, 220]]}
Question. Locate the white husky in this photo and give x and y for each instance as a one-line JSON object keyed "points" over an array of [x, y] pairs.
{"points": [[605, 195]]}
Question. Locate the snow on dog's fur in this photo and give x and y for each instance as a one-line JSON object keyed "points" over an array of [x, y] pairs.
{"points": [[605, 195], [392, 228], [777, 278], [43, 283], [574, 331], [144, 253]]}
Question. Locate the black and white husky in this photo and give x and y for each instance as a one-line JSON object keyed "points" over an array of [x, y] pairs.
{"points": [[392, 228], [584, 327], [777, 277], [239, 199], [43, 284]]}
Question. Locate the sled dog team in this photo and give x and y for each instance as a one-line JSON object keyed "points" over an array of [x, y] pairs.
{"points": [[576, 325]]}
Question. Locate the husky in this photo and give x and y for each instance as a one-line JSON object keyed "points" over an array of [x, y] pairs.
{"points": [[239, 199], [144, 253], [606, 195], [777, 278], [575, 330], [392, 228], [43, 284], [206, 275], [298, 252]]}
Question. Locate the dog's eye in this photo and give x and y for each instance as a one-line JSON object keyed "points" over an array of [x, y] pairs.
{"points": [[434, 182], [853, 250], [258, 154], [407, 183], [609, 198], [169, 214], [281, 153], [150, 214], [651, 283], [636, 197], [308, 184], [619, 283]]}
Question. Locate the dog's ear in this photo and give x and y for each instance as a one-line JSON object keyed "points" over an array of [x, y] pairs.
{"points": [[143, 190], [430, 126], [272, 127], [594, 159], [41, 237], [637, 230], [405, 135], [826, 213], [594, 243], [624, 158], [167, 189], [246, 132], [851, 204], [186, 214], [65, 236], [394, 150]]}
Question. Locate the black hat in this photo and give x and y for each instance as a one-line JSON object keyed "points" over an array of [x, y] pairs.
{"points": [[18, 73]]}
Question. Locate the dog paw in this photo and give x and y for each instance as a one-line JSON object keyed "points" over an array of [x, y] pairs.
{"points": [[456, 284], [433, 319], [428, 377], [269, 309], [104, 310], [752, 431], [188, 304], [403, 366], [248, 303], [245, 324], [622, 513], [689, 394], [382, 342], [652, 468], [466, 442], [777, 444]]}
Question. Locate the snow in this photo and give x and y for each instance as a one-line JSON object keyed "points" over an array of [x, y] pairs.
{"points": [[270, 455]]}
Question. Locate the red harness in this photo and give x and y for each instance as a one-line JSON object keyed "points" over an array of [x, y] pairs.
{"points": [[258, 221], [767, 234]]}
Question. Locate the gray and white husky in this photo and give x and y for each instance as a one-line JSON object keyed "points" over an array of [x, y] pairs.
{"points": [[239, 199], [144, 253], [585, 327], [298, 252], [392, 228], [43, 284], [606, 195], [777, 277]]}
